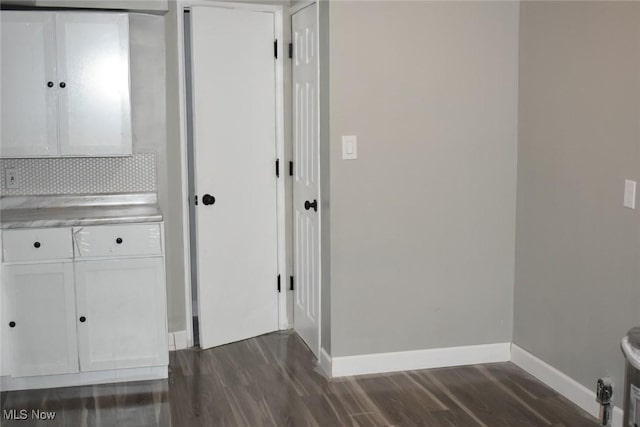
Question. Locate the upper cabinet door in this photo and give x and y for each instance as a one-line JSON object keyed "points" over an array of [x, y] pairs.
{"points": [[93, 84], [28, 110]]}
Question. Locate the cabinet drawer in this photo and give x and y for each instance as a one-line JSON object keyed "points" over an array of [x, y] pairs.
{"points": [[36, 244], [117, 240]]}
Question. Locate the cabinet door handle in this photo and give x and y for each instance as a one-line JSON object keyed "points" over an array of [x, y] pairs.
{"points": [[12, 324], [49, 84], [83, 319], [119, 240], [63, 85], [36, 245]]}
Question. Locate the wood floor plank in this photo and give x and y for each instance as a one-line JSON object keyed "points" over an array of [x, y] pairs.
{"points": [[273, 380], [485, 399]]}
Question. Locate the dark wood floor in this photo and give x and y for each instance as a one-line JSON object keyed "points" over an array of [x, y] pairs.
{"points": [[273, 380]]}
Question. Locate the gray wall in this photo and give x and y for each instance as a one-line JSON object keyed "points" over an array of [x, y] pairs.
{"points": [[423, 223], [578, 250], [175, 240], [149, 109]]}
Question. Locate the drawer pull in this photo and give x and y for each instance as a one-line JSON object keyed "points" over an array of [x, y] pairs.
{"points": [[83, 319], [12, 324], [36, 245], [119, 240]]}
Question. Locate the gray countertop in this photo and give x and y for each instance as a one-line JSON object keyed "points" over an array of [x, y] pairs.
{"points": [[66, 211]]}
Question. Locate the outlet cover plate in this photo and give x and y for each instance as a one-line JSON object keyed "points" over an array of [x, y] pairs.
{"points": [[12, 178]]}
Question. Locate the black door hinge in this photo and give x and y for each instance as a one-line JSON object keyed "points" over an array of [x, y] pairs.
{"points": [[195, 200], [290, 283], [277, 168], [290, 168], [275, 48], [278, 283], [290, 50]]}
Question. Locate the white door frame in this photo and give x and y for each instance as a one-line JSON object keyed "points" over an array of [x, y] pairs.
{"points": [[283, 264]]}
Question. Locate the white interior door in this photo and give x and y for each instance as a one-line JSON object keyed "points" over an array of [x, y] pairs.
{"points": [[306, 185], [234, 137]]}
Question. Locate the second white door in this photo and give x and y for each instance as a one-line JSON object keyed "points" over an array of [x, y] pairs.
{"points": [[306, 177], [234, 138]]}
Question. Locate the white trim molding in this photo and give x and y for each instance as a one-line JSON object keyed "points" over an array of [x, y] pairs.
{"points": [[177, 340], [419, 359], [325, 362], [561, 383]]}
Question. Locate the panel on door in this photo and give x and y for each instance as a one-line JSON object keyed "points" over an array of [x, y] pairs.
{"points": [[39, 319], [121, 314], [93, 87], [28, 80], [306, 179], [233, 75]]}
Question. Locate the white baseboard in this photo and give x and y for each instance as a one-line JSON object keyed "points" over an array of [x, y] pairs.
{"points": [[177, 340], [561, 383], [8, 383], [419, 359], [325, 362]]}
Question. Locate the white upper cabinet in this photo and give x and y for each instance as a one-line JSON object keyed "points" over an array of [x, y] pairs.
{"points": [[29, 106], [67, 93], [93, 67]]}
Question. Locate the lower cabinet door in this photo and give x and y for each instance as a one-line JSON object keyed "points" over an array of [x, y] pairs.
{"points": [[39, 322], [121, 307]]}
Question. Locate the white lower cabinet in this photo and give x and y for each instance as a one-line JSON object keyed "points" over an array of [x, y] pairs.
{"points": [[82, 318], [40, 319], [122, 314]]}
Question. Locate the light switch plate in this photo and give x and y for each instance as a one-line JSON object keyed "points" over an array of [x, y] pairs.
{"points": [[12, 178], [629, 194], [349, 147]]}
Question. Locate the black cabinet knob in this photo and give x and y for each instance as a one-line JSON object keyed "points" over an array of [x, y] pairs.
{"points": [[12, 324], [83, 319], [36, 245], [308, 205], [49, 84], [119, 240], [208, 199], [63, 85]]}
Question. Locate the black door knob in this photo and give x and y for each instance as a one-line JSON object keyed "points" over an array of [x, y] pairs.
{"points": [[83, 319], [12, 324], [36, 245], [119, 240], [308, 205], [208, 199], [49, 84], [63, 85]]}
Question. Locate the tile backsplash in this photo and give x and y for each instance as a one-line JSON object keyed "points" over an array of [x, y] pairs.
{"points": [[82, 175]]}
